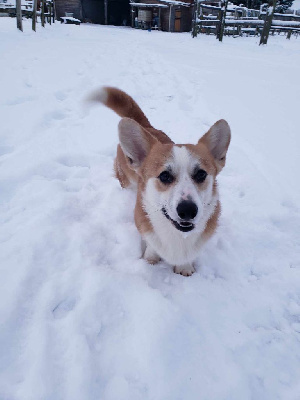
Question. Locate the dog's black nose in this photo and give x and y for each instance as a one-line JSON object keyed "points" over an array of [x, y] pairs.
{"points": [[187, 210]]}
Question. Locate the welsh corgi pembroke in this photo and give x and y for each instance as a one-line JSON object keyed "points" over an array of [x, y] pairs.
{"points": [[177, 205]]}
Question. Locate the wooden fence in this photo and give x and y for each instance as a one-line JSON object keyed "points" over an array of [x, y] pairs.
{"points": [[240, 21]]}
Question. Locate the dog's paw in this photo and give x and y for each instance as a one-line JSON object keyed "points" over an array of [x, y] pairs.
{"points": [[151, 256], [185, 270], [152, 261]]}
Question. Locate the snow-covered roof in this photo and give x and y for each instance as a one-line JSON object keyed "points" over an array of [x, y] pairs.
{"points": [[148, 5], [162, 4], [210, 7], [178, 3]]}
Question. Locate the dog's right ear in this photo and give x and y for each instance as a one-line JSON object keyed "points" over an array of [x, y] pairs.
{"points": [[135, 141]]}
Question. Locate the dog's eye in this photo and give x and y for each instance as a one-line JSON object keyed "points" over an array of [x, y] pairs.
{"points": [[200, 176], [166, 177]]}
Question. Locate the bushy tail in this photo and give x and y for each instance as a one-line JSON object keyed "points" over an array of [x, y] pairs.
{"points": [[121, 103]]}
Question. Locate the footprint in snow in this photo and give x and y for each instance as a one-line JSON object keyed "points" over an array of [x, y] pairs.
{"points": [[6, 150], [63, 308], [19, 100], [74, 161], [290, 206], [60, 95], [57, 115]]}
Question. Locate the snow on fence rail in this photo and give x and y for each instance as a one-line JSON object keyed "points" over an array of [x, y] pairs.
{"points": [[238, 21]]}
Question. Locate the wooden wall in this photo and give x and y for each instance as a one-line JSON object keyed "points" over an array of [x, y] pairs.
{"points": [[165, 14], [185, 20], [71, 6]]}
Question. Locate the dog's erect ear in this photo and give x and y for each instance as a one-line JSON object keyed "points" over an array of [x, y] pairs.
{"points": [[217, 140], [135, 141]]}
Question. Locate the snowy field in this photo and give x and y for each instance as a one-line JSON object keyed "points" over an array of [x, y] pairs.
{"points": [[82, 316]]}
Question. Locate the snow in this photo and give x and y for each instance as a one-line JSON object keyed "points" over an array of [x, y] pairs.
{"points": [[82, 316], [210, 6], [65, 19], [148, 5], [177, 3], [257, 22], [296, 5]]}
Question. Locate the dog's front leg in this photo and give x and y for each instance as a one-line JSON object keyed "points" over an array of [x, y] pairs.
{"points": [[150, 255], [185, 270]]}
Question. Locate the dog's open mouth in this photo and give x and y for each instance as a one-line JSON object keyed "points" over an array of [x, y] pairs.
{"points": [[183, 226]]}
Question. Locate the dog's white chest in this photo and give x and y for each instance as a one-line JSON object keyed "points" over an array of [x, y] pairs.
{"points": [[171, 245]]}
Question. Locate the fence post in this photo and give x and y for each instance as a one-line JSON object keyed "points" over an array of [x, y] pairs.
{"points": [[54, 11], [220, 31], [170, 17], [49, 12], [43, 13], [105, 13], [196, 13], [268, 22], [19, 15], [34, 6]]}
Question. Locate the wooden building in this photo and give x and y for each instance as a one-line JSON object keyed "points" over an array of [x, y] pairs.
{"points": [[111, 12], [167, 15]]}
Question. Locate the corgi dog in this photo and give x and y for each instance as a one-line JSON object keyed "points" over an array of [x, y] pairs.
{"points": [[177, 204]]}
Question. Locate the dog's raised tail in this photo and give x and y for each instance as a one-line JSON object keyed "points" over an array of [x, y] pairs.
{"points": [[121, 103]]}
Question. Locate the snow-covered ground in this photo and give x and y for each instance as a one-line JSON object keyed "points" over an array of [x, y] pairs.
{"points": [[82, 316]]}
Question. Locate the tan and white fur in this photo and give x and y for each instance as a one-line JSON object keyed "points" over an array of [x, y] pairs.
{"points": [[177, 206]]}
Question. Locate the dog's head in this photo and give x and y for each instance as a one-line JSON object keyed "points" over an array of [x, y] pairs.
{"points": [[178, 181]]}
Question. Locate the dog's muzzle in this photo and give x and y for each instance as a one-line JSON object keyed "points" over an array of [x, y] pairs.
{"points": [[183, 226]]}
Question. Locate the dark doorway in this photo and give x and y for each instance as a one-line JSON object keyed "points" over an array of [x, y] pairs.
{"points": [[118, 11], [93, 11]]}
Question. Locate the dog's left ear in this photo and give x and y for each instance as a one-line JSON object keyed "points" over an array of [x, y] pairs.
{"points": [[217, 141]]}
